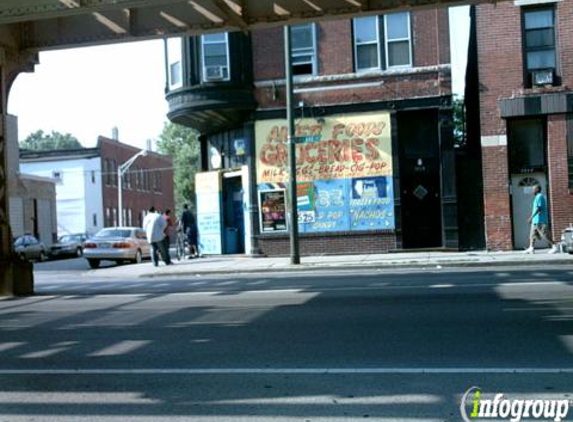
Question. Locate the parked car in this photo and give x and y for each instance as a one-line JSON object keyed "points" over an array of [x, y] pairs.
{"points": [[68, 245], [28, 247], [117, 244]]}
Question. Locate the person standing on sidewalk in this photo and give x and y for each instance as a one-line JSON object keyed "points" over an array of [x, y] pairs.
{"points": [[189, 226], [539, 221], [168, 229], [154, 225]]}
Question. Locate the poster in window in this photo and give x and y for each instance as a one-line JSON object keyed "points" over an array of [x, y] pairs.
{"points": [[272, 205]]}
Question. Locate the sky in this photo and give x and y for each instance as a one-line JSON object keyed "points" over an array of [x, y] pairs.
{"points": [[87, 91]]}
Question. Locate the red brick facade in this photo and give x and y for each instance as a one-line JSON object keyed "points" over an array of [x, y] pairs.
{"points": [[430, 48], [333, 244], [501, 77], [560, 196], [150, 182]]}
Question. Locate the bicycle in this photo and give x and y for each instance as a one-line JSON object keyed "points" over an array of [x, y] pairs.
{"points": [[180, 245]]}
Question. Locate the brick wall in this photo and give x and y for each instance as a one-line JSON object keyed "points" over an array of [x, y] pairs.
{"points": [[501, 76], [334, 244], [497, 209], [430, 30], [410, 86], [429, 42], [335, 53], [560, 197]]}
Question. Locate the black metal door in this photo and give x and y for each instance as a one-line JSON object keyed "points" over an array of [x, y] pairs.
{"points": [[420, 191]]}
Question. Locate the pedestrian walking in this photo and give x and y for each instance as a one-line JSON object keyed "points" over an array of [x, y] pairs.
{"points": [[539, 221], [189, 226], [154, 225]]}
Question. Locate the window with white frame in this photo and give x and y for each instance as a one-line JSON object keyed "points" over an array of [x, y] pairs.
{"points": [[215, 57], [366, 43], [398, 40], [303, 49], [174, 62], [539, 45]]}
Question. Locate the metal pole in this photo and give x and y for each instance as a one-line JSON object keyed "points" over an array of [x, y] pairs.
{"points": [[293, 211], [119, 197]]}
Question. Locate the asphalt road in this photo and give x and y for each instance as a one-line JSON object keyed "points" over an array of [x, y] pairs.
{"points": [[288, 347]]}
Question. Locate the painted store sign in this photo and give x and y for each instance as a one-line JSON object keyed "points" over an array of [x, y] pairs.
{"points": [[344, 170]]}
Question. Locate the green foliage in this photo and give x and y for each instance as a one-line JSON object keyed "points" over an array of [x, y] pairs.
{"points": [[40, 141], [459, 108], [182, 144]]}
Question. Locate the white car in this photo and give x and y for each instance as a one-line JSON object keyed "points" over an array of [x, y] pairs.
{"points": [[117, 244]]}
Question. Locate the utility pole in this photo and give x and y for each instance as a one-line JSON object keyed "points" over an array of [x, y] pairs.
{"points": [[293, 211]]}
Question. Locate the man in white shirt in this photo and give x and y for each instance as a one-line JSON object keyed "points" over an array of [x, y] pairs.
{"points": [[154, 225]]}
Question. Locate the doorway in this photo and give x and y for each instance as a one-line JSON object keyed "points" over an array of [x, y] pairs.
{"points": [[420, 189], [522, 186], [233, 214], [527, 165]]}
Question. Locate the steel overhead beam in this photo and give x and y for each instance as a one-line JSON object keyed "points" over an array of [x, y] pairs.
{"points": [[16, 11], [49, 24]]}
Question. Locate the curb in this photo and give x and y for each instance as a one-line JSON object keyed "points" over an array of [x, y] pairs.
{"points": [[373, 266]]}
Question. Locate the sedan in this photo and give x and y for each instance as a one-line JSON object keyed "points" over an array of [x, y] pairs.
{"points": [[117, 244], [28, 247], [68, 245]]}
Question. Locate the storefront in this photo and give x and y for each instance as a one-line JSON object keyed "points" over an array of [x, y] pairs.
{"points": [[367, 182], [344, 174]]}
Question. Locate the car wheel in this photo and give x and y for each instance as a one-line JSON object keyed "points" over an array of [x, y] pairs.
{"points": [[138, 257], [43, 257], [94, 263], [79, 252]]}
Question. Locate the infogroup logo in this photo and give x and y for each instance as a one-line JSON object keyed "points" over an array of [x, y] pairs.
{"points": [[500, 407]]}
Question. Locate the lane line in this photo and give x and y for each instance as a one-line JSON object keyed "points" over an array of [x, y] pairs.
{"points": [[279, 371]]}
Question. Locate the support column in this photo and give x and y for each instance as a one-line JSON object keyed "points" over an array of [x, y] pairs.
{"points": [[16, 276]]}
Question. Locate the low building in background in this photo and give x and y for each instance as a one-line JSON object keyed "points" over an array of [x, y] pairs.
{"points": [[32, 198], [86, 184]]}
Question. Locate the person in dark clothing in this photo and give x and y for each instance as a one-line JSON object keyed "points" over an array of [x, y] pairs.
{"points": [[189, 227]]}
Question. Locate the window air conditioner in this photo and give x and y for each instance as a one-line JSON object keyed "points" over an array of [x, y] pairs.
{"points": [[214, 73], [542, 77]]}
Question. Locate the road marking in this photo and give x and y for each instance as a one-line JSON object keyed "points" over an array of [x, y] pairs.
{"points": [[274, 371]]}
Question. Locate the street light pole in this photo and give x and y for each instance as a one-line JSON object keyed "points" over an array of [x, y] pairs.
{"points": [[121, 170], [294, 244]]}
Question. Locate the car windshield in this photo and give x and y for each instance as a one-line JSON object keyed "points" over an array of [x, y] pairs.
{"points": [[19, 242], [69, 238], [113, 233]]}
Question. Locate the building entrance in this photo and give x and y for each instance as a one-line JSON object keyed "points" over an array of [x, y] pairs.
{"points": [[233, 215], [420, 192], [527, 165]]}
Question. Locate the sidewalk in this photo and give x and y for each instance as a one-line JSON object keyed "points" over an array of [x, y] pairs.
{"points": [[243, 264]]}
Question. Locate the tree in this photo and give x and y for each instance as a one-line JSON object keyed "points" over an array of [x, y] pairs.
{"points": [[182, 144], [459, 109], [40, 141]]}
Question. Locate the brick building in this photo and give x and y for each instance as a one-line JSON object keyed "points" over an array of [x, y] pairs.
{"points": [[149, 181], [524, 51], [376, 161], [86, 184]]}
